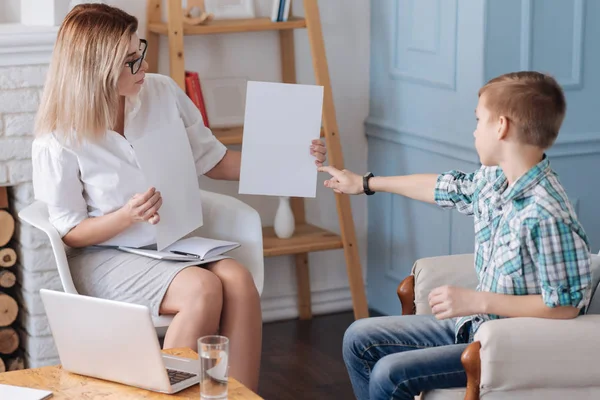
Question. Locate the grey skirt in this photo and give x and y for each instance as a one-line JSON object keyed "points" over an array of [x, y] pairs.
{"points": [[116, 275]]}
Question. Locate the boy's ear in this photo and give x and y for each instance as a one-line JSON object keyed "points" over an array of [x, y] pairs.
{"points": [[503, 123]]}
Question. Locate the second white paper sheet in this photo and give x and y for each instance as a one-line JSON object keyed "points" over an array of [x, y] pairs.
{"points": [[280, 122], [168, 164]]}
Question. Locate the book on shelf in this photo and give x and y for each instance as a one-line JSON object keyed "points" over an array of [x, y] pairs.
{"points": [[189, 249], [281, 10], [193, 89]]}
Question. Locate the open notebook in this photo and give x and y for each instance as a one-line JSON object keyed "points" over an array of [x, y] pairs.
{"points": [[189, 249]]}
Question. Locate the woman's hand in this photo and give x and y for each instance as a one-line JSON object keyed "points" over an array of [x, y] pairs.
{"points": [[319, 151], [344, 181], [144, 207]]}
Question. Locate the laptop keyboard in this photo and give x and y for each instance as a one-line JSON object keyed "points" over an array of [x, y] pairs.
{"points": [[178, 376]]}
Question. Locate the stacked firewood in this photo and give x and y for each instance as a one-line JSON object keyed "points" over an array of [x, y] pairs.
{"points": [[10, 360]]}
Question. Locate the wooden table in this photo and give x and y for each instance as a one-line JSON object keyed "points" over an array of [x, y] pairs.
{"points": [[66, 385]]}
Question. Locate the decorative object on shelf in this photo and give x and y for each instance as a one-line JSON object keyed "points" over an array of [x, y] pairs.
{"points": [[284, 224], [195, 13], [230, 9]]}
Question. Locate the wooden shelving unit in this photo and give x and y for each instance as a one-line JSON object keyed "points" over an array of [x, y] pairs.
{"points": [[307, 238], [234, 134], [232, 26]]}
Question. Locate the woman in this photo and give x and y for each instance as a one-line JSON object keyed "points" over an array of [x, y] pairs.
{"points": [[98, 97]]}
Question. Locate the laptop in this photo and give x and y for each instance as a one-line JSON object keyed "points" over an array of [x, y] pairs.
{"points": [[114, 341]]}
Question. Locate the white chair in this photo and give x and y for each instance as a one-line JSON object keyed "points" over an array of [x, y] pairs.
{"points": [[225, 218]]}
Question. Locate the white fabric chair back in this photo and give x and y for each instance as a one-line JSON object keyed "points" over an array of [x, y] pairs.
{"points": [[225, 218]]}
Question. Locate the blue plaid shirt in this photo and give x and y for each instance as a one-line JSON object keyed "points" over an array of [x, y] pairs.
{"points": [[528, 240]]}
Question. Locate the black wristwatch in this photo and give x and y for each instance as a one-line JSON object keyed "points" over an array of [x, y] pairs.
{"points": [[366, 178]]}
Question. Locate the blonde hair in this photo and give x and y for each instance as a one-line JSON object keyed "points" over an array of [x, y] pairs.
{"points": [[533, 101], [80, 98]]}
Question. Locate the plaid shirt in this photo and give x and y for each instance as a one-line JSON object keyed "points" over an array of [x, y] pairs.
{"points": [[528, 240]]}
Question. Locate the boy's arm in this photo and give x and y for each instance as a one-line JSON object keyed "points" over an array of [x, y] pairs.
{"points": [[453, 301], [418, 187], [452, 189], [456, 189], [561, 255], [523, 306]]}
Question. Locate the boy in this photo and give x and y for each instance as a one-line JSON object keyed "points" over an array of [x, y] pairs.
{"points": [[531, 254]]}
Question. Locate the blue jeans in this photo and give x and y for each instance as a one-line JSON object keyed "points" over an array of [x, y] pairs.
{"points": [[398, 357]]}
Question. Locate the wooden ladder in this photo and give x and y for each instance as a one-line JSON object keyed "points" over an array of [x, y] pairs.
{"points": [[307, 238]]}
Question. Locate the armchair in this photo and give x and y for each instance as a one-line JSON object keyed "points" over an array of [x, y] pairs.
{"points": [[225, 218], [514, 358]]}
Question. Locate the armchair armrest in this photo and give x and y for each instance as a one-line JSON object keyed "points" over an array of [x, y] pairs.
{"points": [[227, 218], [431, 272], [525, 353]]}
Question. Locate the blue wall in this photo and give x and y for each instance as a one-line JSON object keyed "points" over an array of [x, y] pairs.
{"points": [[428, 60]]}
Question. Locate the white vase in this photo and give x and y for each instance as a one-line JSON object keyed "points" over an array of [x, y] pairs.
{"points": [[284, 219]]}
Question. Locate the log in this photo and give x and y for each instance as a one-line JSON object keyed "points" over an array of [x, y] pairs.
{"points": [[3, 197], [15, 364], [8, 310], [7, 227], [9, 340], [7, 279], [8, 257], [2, 367]]}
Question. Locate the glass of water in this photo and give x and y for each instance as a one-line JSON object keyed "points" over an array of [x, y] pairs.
{"points": [[214, 366]]}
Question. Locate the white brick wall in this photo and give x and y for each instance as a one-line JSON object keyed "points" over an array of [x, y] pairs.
{"points": [[18, 100], [18, 124], [20, 77], [20, 89]]}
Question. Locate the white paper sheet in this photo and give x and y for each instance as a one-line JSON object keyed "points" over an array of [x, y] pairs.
{"points": [[280, 122], [168, 164], [23, 393]]}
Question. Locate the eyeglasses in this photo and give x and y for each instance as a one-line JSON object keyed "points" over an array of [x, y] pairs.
{"points": [[136, 64]]}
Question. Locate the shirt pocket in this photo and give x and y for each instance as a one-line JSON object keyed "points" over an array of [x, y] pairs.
{"points": [[507, 255]]}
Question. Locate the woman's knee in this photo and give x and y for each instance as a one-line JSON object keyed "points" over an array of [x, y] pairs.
{"points": [[196, 288], [236, 278]]}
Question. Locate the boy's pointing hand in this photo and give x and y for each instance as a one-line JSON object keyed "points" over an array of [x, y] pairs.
{"points": [[343, 181]]}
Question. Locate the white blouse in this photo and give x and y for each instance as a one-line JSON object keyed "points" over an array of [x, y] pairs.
{"points": [[96, 178]]}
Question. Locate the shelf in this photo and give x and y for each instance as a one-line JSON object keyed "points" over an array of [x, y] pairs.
{"points": [[306, 238], [234, 134], [229, 136], [233, 26]]}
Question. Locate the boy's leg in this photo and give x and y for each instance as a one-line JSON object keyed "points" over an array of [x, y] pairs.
{"points": [[401, 356]]}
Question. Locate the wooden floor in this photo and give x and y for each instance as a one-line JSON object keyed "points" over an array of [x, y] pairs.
{"points": [[303, 359]]}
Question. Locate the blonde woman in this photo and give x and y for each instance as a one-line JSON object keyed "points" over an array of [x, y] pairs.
{"points": [[97, 97]]}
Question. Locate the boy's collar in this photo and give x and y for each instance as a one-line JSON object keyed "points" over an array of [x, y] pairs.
{"points": [[525, 182]]}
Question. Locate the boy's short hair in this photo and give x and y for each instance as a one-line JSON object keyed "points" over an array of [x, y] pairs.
{"points": [[533, 101]]}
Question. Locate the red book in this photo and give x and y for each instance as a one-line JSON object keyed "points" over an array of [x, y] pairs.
{"points": [[189, 90], [195, 93]]}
